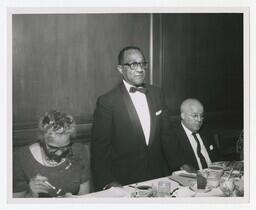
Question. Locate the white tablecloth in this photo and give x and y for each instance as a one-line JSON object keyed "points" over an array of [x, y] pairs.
{"points": [[183, 191]]}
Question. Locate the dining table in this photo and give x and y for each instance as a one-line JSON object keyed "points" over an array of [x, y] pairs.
{"points": [[222, 179]]}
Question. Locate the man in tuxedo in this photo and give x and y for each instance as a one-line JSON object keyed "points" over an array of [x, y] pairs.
{"points": [[190, 147], [129, 122]]}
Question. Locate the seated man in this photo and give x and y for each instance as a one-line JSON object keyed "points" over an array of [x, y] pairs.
{"points": [[190, 148]]}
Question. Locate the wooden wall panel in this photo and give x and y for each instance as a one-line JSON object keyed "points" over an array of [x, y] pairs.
{"points": [[202, 57], [65, 61]]}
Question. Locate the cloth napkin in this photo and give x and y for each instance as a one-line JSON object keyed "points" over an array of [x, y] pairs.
{"points": [[111, 192]]}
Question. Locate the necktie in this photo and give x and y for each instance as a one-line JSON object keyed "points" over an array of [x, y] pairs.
{"points": [[198, 150], [140, 89]]}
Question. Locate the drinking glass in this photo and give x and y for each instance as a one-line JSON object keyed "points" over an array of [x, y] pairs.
{"points": [[164, 188], [239, 185], [213, 176], [227, 185]]}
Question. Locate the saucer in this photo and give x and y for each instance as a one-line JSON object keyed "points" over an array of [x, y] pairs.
{"points": [[142, 193]]}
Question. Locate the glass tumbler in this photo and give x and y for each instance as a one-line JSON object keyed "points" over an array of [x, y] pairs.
{"points": [[164, 188], [227, 185]]}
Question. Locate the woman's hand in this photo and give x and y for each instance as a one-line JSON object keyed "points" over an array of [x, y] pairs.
{"points": [[37, 185], [84, 188], [68, 195]]}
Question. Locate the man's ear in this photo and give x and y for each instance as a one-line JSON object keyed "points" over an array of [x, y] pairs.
{"points": [[120, 69], [182, 116]]}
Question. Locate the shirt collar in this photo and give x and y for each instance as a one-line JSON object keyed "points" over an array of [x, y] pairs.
{"points": [[188, 132], [127, 85]]}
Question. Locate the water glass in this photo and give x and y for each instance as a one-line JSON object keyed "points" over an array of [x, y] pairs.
{"points": [[227, 185], [239, 185], [213, 177], [164, 188]]}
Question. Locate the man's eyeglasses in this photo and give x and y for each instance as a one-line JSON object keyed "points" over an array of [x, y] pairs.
{"points": [[134, 66], [197, 116]]}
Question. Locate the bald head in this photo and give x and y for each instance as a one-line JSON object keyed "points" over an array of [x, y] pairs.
{"points": [[192, 112], [189, 103]]}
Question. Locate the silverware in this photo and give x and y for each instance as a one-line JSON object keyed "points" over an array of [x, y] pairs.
{"points": [[132, 186], [230, 165], [174, 190], [230, 173], [180, 183]]}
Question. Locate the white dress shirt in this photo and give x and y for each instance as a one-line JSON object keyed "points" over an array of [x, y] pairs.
{"points": [[194, 146], [140, 103]]}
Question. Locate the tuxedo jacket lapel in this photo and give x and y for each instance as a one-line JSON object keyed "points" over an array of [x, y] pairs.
{"points": [[152, 109], [134, 118], [189, 154]]}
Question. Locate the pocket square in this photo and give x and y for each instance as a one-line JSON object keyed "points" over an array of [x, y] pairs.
{"points": [[158, 112], [211, 147]]}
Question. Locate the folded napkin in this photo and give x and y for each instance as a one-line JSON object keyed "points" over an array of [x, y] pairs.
{"points": [[183, 181], [182, 177], [184, 173], [188, 192], [111, 192], [184, 192], [215, 192]]}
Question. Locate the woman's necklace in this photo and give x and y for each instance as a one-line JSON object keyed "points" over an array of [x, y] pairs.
{"points": [[48, 162]]}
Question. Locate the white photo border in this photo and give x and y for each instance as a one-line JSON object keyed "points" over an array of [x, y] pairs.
{"points": [[51, 10]]}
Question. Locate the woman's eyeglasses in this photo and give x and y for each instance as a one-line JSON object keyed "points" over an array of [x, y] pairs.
{"points": [[63, 149]]}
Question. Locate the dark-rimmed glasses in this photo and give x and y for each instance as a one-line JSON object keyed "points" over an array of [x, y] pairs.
{"points": [[134, 65], [62, 149]]}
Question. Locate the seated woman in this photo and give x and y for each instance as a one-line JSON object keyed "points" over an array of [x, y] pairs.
{"points": [[53, 166]]}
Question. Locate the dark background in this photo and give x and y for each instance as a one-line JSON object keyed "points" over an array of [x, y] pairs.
{"points": [[65, 61]]}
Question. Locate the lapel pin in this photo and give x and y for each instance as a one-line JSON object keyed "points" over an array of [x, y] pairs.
{"points": [[211, 147], [158, 112]]}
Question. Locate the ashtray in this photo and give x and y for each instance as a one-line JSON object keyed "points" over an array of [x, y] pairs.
{"points": [[144, 187], [142, 191]]}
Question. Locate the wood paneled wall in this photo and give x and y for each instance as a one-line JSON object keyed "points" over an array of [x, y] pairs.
{"points": [[202, 57], [65, 61]]}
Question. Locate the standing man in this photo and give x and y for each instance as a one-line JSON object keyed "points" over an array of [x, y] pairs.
{"points": [[190, 147], [129, 122]]}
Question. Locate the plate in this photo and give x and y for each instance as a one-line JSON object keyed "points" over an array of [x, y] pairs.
{"points": [[193, 187], [221, 164]]}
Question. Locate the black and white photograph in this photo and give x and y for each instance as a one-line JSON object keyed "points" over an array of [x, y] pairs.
{"points": [[128, 106]]}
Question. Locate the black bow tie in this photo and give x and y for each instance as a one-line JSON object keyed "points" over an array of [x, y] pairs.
{"points": [[140, 89]]}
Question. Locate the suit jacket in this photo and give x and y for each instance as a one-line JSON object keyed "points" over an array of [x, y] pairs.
{"points": [[118, 148], [178, 150]]}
